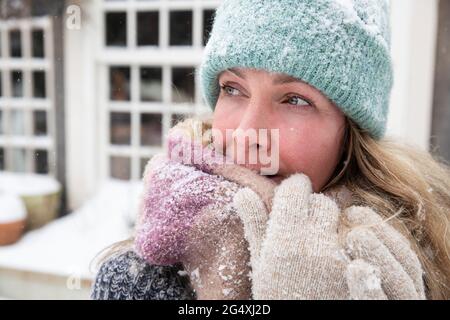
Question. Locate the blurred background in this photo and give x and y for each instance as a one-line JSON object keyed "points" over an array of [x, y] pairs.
{"points": [[88, 91]]}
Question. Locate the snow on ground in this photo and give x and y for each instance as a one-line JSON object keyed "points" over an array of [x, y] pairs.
{"points": [[68, 245]]}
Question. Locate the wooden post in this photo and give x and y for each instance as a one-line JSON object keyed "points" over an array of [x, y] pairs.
{"points": [[440, 131]]}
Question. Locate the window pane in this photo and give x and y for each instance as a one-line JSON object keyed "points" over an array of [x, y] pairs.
{"points": [[38, 43], [39, 84], [151, 129], [116, 28], [1, 84], [180, 28], [120, 128], [2, 159], [41, 161], [18, 160], [119, 80], [183, 85], [148, 28], [1, 122], [15, 43], [208, 19], [16, 84], [40, 123], [151, 84], [17, 122], [120, 167]]}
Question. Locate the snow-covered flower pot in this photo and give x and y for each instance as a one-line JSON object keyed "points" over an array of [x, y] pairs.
{"points": [[40, 194], [12, 218]]}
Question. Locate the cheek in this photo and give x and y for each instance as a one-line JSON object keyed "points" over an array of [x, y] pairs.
{"points": [[311, 151], [223, 119]]}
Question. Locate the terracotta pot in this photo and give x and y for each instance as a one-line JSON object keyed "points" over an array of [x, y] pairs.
{"points": [[40, 195], [10, 232], [12, 218]]}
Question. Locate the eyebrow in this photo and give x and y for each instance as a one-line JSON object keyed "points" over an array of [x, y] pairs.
{"points": [[279, 79]]}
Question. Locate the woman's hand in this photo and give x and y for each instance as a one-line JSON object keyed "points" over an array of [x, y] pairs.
{"points": [[296, 252], [187, 216], [377, 243], [217, 246]]}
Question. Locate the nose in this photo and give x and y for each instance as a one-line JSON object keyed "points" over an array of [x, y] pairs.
{"points": [[253, 134]]}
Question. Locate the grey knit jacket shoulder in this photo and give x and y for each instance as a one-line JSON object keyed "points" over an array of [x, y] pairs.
{"points": [[128, 277]]}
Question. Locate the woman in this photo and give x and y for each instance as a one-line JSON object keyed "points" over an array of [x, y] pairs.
{"points": [[349, 214]]}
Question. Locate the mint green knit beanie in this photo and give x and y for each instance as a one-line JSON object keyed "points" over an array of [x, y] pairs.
{"points": [[341, 47]]}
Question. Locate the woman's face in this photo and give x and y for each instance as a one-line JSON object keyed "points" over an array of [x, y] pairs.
{"points": [[311, 127]]}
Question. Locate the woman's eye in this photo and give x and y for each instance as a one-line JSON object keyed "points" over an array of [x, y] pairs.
{"points": [[298, 101], [229, 91]]}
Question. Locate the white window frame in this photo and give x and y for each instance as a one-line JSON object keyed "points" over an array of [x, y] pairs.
{"points": [[133, 56], [27, 64]]}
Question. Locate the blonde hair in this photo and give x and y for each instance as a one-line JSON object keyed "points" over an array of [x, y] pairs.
{"points": [[406, 186]]}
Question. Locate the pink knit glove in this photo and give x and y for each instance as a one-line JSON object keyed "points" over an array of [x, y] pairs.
{"points": [[192, 183], [174, 195]]}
